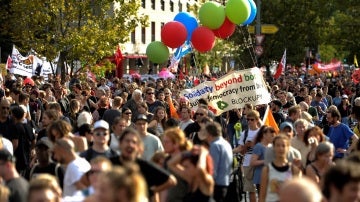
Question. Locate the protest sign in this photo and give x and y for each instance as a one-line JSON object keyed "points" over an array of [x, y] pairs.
{"points": [[231, 91]]}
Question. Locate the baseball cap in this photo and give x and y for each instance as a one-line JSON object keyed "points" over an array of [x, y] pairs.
{"points": [[344, 96], [5, 155], [44, 142], [101, 124], [141, 117], [285, 124]]}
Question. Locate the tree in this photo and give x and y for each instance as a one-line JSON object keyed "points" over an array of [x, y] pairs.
{"points": [[80, 30]]}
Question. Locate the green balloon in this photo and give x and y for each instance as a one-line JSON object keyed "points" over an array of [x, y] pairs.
{"points": [[212, 15], [238, 11], [157, 52]]}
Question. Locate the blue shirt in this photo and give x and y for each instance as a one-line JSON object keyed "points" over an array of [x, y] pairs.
{"points": [[340, 135], [259, 149], [221, 153]]}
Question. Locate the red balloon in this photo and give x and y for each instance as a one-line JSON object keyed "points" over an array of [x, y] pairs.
{"points": [[173, 34], [226, 29], [203, 39]]}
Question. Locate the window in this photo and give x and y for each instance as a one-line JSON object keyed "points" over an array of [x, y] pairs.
{"points": [[180, 7], [143, 35], [153, 4], [153, 31], [133, 37], [171, 6], [187, 7], [162, 5], [143, 3], [162, 25]]}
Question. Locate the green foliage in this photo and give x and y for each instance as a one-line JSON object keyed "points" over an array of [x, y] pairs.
{"points": [[328, 26], [85, 30]]}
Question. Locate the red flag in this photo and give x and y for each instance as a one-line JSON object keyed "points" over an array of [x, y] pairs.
{"points": [[118, 56], [281, 67], [118, 59], [8, 63]]}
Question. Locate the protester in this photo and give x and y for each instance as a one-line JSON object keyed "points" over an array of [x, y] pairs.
{"points": [[192, 167], [175, 142], [278, 171], [17, 185], [264, 137], [64, 153], [131, 148], [324, 154], [221, 153], [44, 188]]}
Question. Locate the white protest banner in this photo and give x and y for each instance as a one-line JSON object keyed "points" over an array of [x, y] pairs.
{"points": [[231, 91], [42, 67], [21, 65]]}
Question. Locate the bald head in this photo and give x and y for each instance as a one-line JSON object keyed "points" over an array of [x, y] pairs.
{"points": [[4, 108], [66, 144], [300, 190]]}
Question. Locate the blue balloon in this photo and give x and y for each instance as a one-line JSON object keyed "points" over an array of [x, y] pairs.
{"points": [[252, 13], [188, 21]]}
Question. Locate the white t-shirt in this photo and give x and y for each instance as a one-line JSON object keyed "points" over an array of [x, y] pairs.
{"points": [[152, 144], [184, 124], [251, 137], [74, 171], [114, 143]]}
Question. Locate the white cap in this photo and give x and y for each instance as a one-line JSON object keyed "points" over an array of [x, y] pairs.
{"points": [[101, 124]]}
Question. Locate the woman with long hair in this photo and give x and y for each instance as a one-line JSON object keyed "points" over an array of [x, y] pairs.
{"points": [[159, 120], [324, 154], [264, 137], [121, 184], [312, 137], [74, 110], [60, 129], [126, 113], [192, 166], [278, 171], [119, 124]]}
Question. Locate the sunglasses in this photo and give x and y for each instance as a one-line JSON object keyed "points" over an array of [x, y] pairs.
{"points": [[100, 133], [5, 108], [250, 119], [128, 113], [150, 93]]}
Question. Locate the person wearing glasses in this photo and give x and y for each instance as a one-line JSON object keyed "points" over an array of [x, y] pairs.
{"points": [[151, 100], [246, 144], [101, 136], [191, 131]]}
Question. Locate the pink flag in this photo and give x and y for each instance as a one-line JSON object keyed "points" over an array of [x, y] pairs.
{"points": [[281, 67]]}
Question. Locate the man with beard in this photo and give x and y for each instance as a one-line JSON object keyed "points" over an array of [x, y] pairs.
{"points": [[76, 166], [131, 147], [340, 134]]}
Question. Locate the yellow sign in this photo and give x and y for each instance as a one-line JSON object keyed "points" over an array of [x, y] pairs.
{"points": [[265, 29]]}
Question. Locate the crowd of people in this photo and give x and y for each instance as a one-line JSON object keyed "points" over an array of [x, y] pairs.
{"points": [[139, 140]]}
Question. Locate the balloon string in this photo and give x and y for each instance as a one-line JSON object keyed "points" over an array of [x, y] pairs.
{"points": [[249, 45]]}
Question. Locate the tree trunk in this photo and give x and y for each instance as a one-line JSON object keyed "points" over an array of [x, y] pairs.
{"points": [[61, 65]]}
